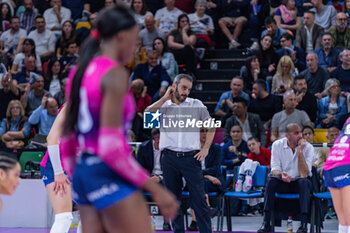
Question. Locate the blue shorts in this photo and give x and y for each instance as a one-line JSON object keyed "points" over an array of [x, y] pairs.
{"points": [[337, 177], [47, 174], [94, 183]]}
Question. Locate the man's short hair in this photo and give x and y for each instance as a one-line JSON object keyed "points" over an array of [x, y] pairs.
{"points": [[14, 17], [200, 1], [269, 20], [178, 78], [241, 100], [327, 33], [155, 132], [287, 36], [343, 51], [253, 138], [290, 126], [39, 17], [152, 51], [238, 77], [309, 12], [299, 77], [261, 83], [308, 127]]}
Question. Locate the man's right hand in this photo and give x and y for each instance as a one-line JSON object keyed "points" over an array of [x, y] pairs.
{"points": [[286, 178], [169, 93]]}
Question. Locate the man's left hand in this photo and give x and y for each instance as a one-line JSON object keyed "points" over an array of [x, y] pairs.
{"points": [[200, 156]]}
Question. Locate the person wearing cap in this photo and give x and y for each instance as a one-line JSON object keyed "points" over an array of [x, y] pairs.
{"points": [[33, 94]]}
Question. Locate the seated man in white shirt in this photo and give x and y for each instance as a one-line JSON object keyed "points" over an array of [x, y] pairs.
{"points": [[12, 37], [149, 156], [291, 161], [56, 16], [45, 40]]}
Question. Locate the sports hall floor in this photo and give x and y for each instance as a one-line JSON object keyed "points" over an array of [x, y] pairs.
{"points": [[240, 224]]}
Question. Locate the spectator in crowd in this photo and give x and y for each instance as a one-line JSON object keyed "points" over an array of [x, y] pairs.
{"points": [[202, 25], [166, 59], [150, 32], [332, 134], [264, 104], [45, 40], [213, 179], [328, 55], [291, 161], [308, 36], [93, 6], [60, 96], [22, 78], [297, 54], [28, 48], [268, 58], [225, 103], [250, 123], [340, 31], [332, 107], [258, 153], [141, 11], [235, 151], [143, 100], [283, 79], [181, 42], [287, 16], [56, 16], [167, 17], [149, 156], [5, 17], [289, 115], [27, 18], [251, 72], [342, 72], [325, 15], [305, 100], [10, 39], [34, 93], [139, 56], [54, 76], [68, 34], [153, 74], [8, 92], [347, 8], [316, 77], [274, 31], [75, 6], [110, 3], [15, 128], [44, 116], [70, 57], [308, 133], [234, 13]]}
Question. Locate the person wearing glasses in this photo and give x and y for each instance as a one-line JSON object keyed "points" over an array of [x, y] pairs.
{"points": [[14, 129], [340, 32]]}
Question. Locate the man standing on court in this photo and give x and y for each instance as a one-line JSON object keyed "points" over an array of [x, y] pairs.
{"points": [[181, 148]]}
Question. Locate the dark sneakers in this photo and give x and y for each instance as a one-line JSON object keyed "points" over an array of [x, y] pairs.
{"points": [[166, 227], [302, 228], [193, 226], [265, 227]]}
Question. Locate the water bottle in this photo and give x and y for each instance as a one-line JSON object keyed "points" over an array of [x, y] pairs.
{"points": [[290, 225], [153, 222]]}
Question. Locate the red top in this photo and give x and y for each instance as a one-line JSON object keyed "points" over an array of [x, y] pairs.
{"points": [[264, 158]]}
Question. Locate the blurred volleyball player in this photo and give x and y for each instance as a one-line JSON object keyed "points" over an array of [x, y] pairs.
{"points": [[107, 179]]}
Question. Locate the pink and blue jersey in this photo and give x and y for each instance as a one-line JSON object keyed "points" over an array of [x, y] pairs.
{"points": [[340, 152], [91, 101]]}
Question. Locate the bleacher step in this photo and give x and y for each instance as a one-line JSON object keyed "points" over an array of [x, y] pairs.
{"points": [[225, 53], [205, 74], [222, 63]]}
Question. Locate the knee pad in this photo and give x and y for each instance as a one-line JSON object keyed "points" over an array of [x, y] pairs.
{"points": [[62, 222]]}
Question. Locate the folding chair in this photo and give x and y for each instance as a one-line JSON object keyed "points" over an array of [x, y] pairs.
{"points": [[259, 181]]}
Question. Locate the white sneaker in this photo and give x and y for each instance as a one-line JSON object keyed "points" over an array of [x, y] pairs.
{"points": [[254, 46], [233, 44]]}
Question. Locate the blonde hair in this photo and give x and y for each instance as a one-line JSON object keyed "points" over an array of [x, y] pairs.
{"points": [[279, 74], [322, 156], [13, 102]]}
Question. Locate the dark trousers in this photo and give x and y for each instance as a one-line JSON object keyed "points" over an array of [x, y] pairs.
{"points": [[174, 168], [301, 186], [186, 55]]}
